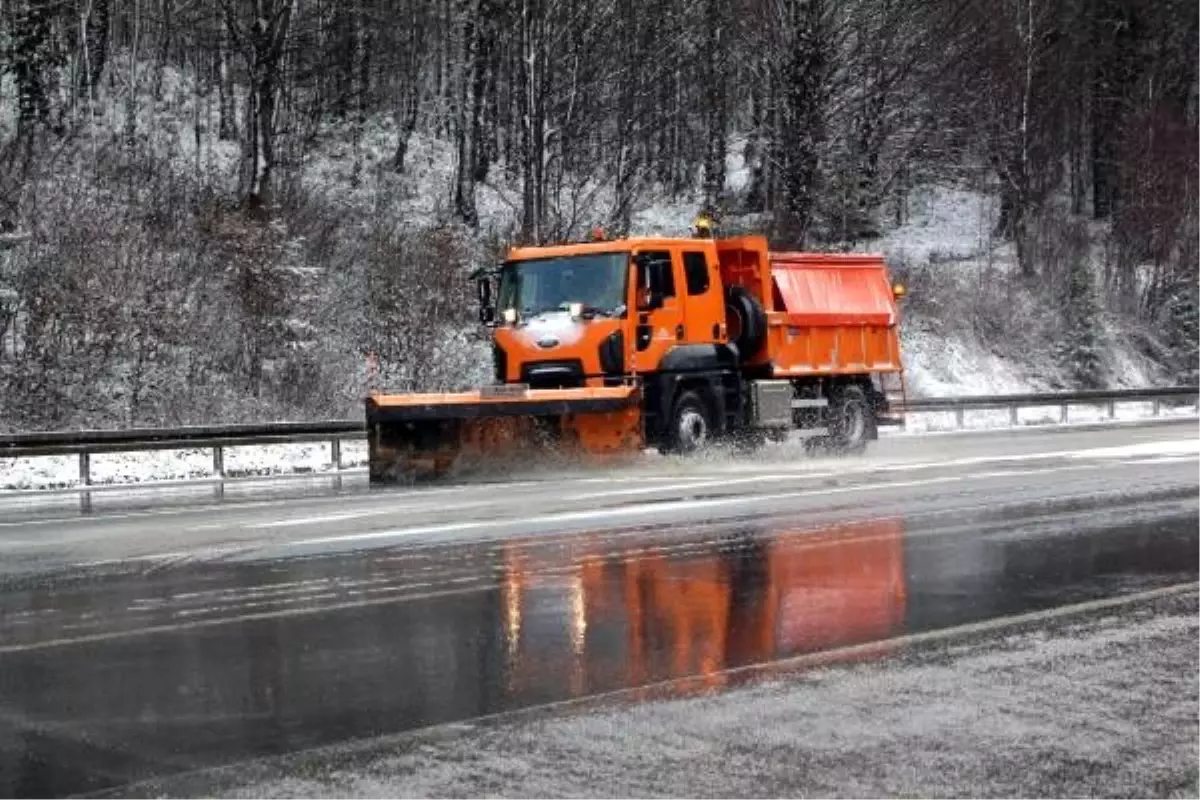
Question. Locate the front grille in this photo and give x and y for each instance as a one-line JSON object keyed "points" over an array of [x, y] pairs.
{"points": [[552, 374]]}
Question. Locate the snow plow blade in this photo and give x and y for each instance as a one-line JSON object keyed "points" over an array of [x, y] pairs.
{"points": [[421, 436]]}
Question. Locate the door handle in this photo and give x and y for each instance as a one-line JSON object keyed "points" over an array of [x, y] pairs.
{"points": [[679, 333]]}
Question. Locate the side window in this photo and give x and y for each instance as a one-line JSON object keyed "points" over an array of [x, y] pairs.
{"points": [[662, 280], [695, 266]]}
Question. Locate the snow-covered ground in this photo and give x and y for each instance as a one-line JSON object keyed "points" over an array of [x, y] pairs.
{"points": [[948, 235]]}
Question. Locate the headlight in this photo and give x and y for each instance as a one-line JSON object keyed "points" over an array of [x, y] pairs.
{"points": [[510, 315]]}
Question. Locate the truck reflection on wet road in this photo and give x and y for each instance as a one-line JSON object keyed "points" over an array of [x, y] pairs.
{"points": [[106, 679]]}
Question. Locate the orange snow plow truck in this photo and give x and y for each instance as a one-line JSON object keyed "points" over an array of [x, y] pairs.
{"points": [[603, 348]]}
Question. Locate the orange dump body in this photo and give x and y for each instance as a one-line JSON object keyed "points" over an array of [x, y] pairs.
{"points": [[827, 313]]}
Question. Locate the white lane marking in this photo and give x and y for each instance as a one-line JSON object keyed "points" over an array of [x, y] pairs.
{"points": [[647, 509], [417, 494], [698, 483], [282, 523], [180, 555], [701, 483], [1163, 460], [166, 512], [1168, 446], [248, 549], [373, 512]]}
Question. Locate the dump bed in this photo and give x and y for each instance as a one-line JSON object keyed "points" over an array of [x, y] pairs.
{"points": [[833, 290], [827, 313]]}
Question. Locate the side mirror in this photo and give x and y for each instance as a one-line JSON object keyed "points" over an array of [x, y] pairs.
{"points": [[487, 311]]}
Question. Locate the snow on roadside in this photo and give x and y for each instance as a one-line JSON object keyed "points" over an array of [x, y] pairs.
{"points": [[948, 238], [62, 472], [954, 366]]}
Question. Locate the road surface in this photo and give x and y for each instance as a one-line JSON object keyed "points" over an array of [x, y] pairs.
{"points": [[684, 603]]}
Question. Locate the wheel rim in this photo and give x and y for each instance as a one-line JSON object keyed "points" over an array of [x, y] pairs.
{"points": [[693, 429], [855, 423]]}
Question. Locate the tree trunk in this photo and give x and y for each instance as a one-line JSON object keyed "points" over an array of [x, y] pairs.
{"points": [[715, 101], [467, 123], [803, 123]]}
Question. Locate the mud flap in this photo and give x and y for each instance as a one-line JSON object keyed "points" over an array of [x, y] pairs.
{"points": [[425, 436]]}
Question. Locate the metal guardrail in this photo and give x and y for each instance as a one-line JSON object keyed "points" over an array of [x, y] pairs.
{"points": [[206, 437], [219, 437], [1064, 400], [48, 443]]}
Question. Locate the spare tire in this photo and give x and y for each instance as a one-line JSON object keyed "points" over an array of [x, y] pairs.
{"points": [[746, 320]]}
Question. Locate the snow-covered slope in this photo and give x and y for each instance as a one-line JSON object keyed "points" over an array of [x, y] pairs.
{"points": [[974, 333]]}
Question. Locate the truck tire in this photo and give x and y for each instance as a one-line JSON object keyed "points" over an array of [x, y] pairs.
{"points": [[691, 424], [851, 420], [746, 320]]}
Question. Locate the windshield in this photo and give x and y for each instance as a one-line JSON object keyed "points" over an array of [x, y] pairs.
{"points": [[596, 281]]}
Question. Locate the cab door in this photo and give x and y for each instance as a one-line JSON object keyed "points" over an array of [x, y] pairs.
{"points": [[704, 312], [658, 307]]}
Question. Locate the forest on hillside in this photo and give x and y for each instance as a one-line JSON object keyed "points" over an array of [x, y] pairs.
{"points": [[170, 255]]}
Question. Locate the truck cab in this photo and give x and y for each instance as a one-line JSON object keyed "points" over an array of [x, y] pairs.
{"points": [[597, 314]]}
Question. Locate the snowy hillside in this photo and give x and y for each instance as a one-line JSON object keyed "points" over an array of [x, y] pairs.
{"points": [[947, 250]]}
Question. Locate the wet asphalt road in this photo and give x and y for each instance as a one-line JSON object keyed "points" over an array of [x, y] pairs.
{"points": [[143, 643]]}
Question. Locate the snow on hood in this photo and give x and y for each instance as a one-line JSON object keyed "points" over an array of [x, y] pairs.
{"points": [[556, 325]]}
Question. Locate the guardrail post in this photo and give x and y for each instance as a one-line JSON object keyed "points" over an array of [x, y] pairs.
{"points": [[1063, 414], [85, 479], [1157, 407], [1112, 409], [1013, 416], [335, 457], [959, 417], [219, 472]]}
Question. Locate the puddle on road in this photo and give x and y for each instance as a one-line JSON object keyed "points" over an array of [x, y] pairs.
{"points": [[548, 620]]}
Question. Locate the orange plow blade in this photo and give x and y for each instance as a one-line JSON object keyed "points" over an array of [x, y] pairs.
{"points": [[418, 436]]}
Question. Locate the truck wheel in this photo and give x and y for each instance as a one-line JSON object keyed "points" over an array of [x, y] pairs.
{"points": [[691, 425], [851, 422], [746, 320]]}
